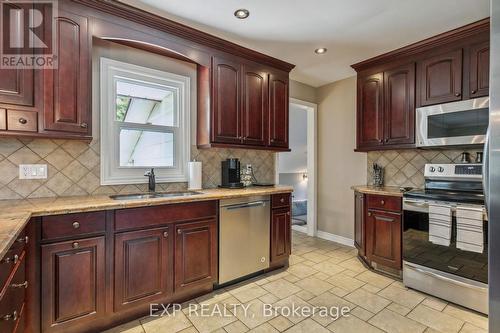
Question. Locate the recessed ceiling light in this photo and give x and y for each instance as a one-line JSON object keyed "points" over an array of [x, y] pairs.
{"points": [[241, 14], [321, 50]]}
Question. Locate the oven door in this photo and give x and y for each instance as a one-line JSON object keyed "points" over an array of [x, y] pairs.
{"points": [[458, 123], [417, 248]]}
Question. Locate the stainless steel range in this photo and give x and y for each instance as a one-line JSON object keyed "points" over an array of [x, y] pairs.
{"points": [[445, 233]]}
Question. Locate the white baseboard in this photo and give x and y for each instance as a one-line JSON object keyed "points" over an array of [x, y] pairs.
{"points": [[300, 228], [335, 238]]}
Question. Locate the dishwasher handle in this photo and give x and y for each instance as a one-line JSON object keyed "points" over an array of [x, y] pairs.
{"points": [[246, 205]]}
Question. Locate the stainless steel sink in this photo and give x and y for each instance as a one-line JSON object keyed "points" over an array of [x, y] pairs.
{"points": [[139, 196]]}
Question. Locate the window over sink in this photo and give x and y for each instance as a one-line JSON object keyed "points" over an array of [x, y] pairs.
{"points": [[144, 123]]}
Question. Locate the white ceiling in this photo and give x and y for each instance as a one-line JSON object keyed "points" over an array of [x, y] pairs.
{"points": [[352, 30]]}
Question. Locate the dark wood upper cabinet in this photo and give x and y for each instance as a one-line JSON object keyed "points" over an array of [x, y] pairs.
{"points": [[370, 114], [383, 238], [440, 78], [142, 265], [255, 106], [359, 222], [67, 88], [73, 284], [226, 119], [280, 235], [278, 110], [195, 255], [399, 105], [479, 82]]}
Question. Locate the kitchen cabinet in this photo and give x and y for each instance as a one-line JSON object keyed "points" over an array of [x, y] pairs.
{"points": [[255, 108], [370, 111], [280, 235], [142, 267], [73, 284], [440, 78], [359, 222], [384, 238], [195, 255], [479, 83], [278, 110]]}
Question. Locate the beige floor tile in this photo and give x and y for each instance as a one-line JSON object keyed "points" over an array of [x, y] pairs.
{"points": [[269, 298], [283, 308], [166, 324], [361, 313], [191, 329], [367, 300], [402, 310], [339, 291], [371, 288], [309, 263], [281, 288], [307, 326], [132, 327], [469, 328], [254, 315], [314, 285], [305, 295], [236, 327], [434, 303], [295, 259], [213, 297], [393, 322], [281, 323], [249, 294], [474, 318], [262, 281], [276, 275], [345, 282], [353, 264], [350, 273], [322, 276], [264, 328], [352, 324], [435, 319], [291, 278], [328, 268], [407, 298], [375, 279], [217, 316], [315, 257], [330, 300]]}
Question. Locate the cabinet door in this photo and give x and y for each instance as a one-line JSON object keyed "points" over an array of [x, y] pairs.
{"points": [[226, 117], [73, 283], [67, 88], [399, 105], [370, 111], [278, 110], [255, 106], [142, 265], [280, 234], [440, 78], [383, 238], [195, 255], [479, 84], [359, 222], [16, 85]]}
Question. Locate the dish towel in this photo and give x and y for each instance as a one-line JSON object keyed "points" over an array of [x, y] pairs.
{"points": [[440, 220], [470, 229]]}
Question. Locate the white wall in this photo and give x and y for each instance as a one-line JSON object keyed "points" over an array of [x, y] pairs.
{"points": [[295, 160]]}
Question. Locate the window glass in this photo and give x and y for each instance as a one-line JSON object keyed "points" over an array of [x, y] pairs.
{"points": [[141, 148]]}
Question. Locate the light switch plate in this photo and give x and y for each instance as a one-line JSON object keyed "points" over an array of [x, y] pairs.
{"points": [[33, 171]]}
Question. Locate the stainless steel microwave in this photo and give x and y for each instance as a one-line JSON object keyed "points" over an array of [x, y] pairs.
{"points": [[453, 124]]}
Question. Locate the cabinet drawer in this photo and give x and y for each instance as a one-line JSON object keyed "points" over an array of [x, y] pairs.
{"points": [[135, 218], [280, 200], [11, 258], [12, 298], [22, 121], [61, 226], [384, 202]]}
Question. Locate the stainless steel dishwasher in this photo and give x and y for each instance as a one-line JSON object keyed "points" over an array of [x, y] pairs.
{"points": [[244, 231]]}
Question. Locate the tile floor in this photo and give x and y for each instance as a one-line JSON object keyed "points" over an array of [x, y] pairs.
{"points": [[321, 273]]}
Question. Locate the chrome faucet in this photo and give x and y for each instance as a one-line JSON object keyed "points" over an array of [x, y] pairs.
{"points": [[152, 180]]}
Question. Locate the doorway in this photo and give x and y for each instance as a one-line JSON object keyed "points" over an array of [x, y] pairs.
{"points": [[297, 168]]}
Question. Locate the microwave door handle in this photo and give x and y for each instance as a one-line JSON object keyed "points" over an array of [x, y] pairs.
{"points": [[486, 169]]}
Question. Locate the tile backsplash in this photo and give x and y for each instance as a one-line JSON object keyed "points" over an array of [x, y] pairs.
{"points": [[74, 168], [406, 167]]}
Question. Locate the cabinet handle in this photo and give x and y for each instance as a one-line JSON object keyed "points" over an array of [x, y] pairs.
{"points": [[382, 202], [381, 141], [385, 219], [75, 245], [23, 120], [84, 125], [179, 231], [473, 92], [165, 234], [76, 225], [23, 240], [458, 94], [12, 316], [14, 259], [20, 285]]}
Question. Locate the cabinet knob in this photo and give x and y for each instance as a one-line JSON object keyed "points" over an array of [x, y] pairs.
{"points": [[23, 240], [382, 202], [369, 213], [179, 231], [23, 120], [381, 141], [84, 125], [76, 225], [12, 316], [20, 285], [282, 200], [165, 234], [75, 245], [458, 94], [288, 213], [14, 259]]}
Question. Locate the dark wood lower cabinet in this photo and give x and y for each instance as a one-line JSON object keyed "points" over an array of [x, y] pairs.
{"points": [[280, 235], [195, 255], [73, 284], [383, 244], [142, 264]]}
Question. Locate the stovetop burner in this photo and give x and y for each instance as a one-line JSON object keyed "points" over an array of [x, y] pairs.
{"points": [[449, 196]]}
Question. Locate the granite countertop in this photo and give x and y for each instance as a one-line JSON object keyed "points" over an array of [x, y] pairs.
{"points": [[394, 191], [15, 214]]}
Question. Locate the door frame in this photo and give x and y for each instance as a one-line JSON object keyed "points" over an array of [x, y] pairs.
{"points": [[312, 188]]}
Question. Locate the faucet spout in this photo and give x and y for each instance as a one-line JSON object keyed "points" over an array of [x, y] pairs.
{"points": [[152, 180]]}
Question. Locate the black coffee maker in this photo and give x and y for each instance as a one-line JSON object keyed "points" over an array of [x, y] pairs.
{"points": [[230, 177]]}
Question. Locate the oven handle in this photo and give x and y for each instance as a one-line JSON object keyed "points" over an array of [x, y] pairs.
{"points": [[415, 205], [444, 278]]}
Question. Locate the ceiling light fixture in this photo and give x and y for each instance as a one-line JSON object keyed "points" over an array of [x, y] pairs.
{"points": [[321, 50], [241, 14]]}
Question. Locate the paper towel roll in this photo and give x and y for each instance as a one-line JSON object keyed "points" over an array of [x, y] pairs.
{"points": [[194, 181]]}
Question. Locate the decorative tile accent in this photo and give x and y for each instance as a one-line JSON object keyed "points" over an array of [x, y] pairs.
{"points": [[406, 167], [74, 168]]}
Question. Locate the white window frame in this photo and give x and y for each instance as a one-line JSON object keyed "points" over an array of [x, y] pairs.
{"points": [[111, 171]]}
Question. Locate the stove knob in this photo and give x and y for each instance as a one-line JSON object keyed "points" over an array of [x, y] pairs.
{"points": [[432, 169], [440, 169]]}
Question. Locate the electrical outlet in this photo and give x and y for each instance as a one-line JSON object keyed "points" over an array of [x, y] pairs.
{"points": [[33, 171]]}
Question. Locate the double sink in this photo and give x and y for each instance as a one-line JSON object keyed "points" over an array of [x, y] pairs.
{"points": [[153, 195]]}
